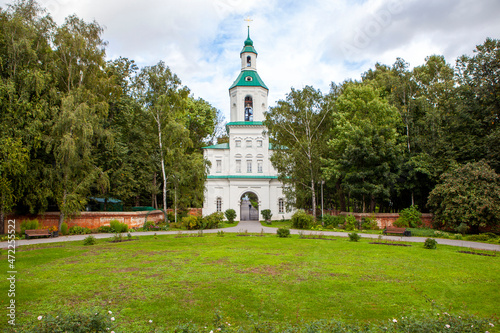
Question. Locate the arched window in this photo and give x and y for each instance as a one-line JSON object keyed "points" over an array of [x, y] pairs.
{"points": [[248, 108], [249, 61], [219, 204], [281, 206]]}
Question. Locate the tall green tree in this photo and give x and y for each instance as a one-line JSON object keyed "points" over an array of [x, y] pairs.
{"points": [[298, 128], [364, 145]]}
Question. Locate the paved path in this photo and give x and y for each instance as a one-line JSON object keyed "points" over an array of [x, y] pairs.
{"points": [[256, 227]]}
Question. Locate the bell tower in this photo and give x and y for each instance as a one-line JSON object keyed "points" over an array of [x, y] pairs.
{"points": [[248, 93]]}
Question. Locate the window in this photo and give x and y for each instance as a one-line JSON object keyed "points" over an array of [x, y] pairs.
{"points": [[238, 166], [259, 166], [249, 166], [259, 143], [219, 166], [249, 143], [219, 204], [248, 108], [238, 143], [249, 61], [281, 206]]}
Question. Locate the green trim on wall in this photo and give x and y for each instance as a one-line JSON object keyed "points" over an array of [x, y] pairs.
{"points": [[241, 177]]}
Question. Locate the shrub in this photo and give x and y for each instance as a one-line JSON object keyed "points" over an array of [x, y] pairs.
{"points": [[479, 238], [117, 226], [79, 321], [354, 237], [266, 214], [104, 229], [301, 220], [470, 194], [89, 240], [77, 230], [430, 243], [369, 223], [283, 232], [191, 222], [64, 229], [150, 225], [28, 225], [230, 215], [212, 221], [350, 223], [409, 217]]}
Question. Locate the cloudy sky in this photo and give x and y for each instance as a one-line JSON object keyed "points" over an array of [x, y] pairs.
{"points": [[298, 42]]}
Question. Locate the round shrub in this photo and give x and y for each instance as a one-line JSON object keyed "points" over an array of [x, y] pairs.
{"points": [[369, 223], [301, 220], [64, 229], [212, 221], [430, 243], [283, 232], [191, 222], [266, 214], [354, 237], [89, 240], [409, 217], [350, 223], [230, 215]]}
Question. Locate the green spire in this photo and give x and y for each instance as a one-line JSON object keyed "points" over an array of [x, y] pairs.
{"points": [[248, 47]]}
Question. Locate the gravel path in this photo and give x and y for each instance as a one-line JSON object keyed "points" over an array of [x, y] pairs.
{"points": [[256, 227]]}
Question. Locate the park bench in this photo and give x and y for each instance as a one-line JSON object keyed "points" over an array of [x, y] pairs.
{"points": [[396, 230], [37, 233]]}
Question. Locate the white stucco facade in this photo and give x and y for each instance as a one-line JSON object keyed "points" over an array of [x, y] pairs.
{"points": [[242, 166]]}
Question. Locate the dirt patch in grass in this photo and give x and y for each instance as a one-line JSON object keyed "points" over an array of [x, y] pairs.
{"points": [[478, 253], [29, 248], [393, 244], [128, 269]]}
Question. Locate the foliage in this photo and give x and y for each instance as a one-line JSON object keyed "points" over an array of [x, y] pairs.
{"points": [[354, 237], [104, 229], [350, 223], [468, 194], [77, 230], [430, 243], [230, 215], [283, 232], [117, 226], [409, 217], [28, 225], [93, 320], [364, 147], [220, 233], [192, 222], [301, 220], [213, 220], [266, 214], [369, 223], [89, 240], [64, 229], [298, 128]]}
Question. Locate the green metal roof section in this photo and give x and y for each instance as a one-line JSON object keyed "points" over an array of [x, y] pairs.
{"points": [[245, 123], [218, 146], [248, 78], [248, 44], [241, 177]]}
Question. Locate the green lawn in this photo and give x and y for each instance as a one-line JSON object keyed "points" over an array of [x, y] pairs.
{"points": [[178, 279]]}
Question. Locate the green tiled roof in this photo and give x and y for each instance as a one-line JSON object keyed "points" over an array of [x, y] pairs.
{"points": [[242, 80], [218, 146], [242, 177], [248, 48], [244, 123]]}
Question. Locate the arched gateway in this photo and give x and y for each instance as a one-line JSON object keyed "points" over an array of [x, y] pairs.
{"points": [[249, 207]]}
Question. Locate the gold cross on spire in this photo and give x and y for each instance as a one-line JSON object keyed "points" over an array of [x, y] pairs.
{"points": [[248, 19]]}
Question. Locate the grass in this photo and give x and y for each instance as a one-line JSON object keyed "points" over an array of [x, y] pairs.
{"points": [[171, 280]]}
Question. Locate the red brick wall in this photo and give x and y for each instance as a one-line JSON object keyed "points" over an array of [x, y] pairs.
{"points": [[94, 220], [387, 219]]}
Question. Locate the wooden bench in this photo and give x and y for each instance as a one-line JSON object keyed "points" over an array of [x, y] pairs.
{"points": [[37, 233], [396, 230]]}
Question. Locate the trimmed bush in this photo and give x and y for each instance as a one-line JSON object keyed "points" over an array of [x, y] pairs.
{"points": [[430, 243], [64, 229], [301, 220], [212, 221], [89, 240], [230, 215], [117, 226], [409, 217], [354, 237], [29, 225], [77, 230], [350, 223], [283, 232], [266, 214], [191, 222]]}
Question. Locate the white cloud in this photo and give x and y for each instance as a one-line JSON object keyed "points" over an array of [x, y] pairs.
{"points": [[299, 42]]}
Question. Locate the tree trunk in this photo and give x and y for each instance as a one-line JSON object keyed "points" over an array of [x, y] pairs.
{"points": [[313, 199], [154, 202], [2, 221], [163, 172], [340, 193], [61, 214]]}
